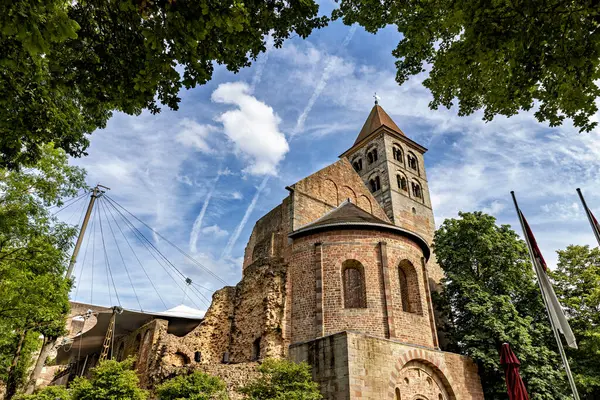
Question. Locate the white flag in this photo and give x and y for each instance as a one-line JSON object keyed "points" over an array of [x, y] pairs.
{"points": [[554, 308]]}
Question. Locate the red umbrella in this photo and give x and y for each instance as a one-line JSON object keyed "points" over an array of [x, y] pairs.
{"points": [[514, 383]]}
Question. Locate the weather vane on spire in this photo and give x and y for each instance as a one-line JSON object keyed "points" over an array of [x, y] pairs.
{"points": [[376, 98]]}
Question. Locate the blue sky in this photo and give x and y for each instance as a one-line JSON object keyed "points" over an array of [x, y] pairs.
{"points": [[204, 174]]}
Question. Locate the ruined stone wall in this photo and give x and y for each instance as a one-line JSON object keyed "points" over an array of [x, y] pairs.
{"points": [[239, 321], [267, 238], [317, 292], [377, 368]]}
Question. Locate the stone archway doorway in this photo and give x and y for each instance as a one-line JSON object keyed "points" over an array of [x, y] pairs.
{"points": [[419, 380]]}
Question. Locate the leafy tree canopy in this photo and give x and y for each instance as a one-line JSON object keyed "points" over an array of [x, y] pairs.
{"points": [[65, 66], [48, 393], [34, 250], [111, 380], [196, 386], [577, 284], [500, 56], [489, 296], [283, 380]]}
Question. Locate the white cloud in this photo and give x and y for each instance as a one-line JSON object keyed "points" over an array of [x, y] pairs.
{"points": [[195, 135], [215, 231], [253, 128], [237, 195]]}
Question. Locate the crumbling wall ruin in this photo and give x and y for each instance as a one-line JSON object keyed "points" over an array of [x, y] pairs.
{"points": [[243, 324]]}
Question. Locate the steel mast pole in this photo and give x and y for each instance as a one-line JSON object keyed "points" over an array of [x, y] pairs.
{"points": [[95, 194], [588, 213]]}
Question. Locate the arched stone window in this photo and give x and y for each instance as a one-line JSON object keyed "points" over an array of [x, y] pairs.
{"points": [[357, 164], [412, 161], [397, 153], [409, 288], [353, 281], [398, 395], [402, 183], [372, 156], [416, 190], [374, 184]]}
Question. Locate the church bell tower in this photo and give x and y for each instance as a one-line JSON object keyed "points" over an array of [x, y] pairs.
{"points": [[392, 166]]}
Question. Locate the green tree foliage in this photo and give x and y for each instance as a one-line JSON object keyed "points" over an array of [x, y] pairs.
{"points": [[500, 56], [283, 380], [66, 65], [489, 296], [48, 393], [34, 250], [195, 386], [111, 380], [577, 284]]}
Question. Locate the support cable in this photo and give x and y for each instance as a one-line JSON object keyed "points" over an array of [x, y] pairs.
{"points": [[200, 293], [109, 270], [136, 256], [149, 246], [70, 203], [171, 243], [78, 282], [101, 203]]}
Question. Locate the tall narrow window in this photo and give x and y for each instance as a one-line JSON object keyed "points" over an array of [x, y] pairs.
{"points": [[375, 184], [256, 349], [416, 189], [409, 288], [398, 395], [374, 151], [397, 153], [353, 281], [412, 161], [357, 164], [370, 157], [401, 182]]}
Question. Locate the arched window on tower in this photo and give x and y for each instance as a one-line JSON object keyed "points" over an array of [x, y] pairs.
{"points": [[416, 190], [402, 184], [357, 164], [409, 288], [353, 281], [398, 395], [397, 153], [374, 184], [412, 161], [372, 156]]}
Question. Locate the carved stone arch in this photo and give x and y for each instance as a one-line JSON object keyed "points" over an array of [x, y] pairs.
{"points": [[435, 363], [364, 203], [329, 192], [346, 192]]}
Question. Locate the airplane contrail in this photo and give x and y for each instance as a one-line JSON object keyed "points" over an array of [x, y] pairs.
{"points": [[238, 230], [198, 222]]}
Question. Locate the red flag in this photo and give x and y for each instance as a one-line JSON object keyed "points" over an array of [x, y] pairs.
{"points": [[537, 254]]}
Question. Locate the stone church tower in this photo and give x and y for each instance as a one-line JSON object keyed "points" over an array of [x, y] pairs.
{"points": [[338, 275]]}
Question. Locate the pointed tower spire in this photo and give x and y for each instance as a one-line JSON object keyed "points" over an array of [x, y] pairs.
{"points": [[376, 119]]}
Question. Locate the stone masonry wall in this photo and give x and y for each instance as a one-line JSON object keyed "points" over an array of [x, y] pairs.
{"points": [[324, 190], [382, 369], [239, 319]]}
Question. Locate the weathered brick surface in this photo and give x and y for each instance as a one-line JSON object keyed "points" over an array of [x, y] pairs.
{"points": [[363, 246], [368, 367]]}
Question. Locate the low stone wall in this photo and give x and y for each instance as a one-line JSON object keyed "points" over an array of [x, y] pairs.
{"points": [[352, 366]]}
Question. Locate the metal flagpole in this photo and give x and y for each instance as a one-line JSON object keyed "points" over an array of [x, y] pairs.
{"points": [[561, 349], [589, 215]]}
